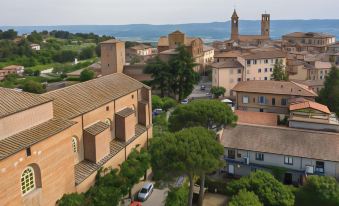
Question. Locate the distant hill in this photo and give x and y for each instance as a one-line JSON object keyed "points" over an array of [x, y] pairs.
{"points": [[207, 31]]}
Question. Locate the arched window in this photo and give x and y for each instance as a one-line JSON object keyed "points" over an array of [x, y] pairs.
{"points": [[74, 144], [27, 180]]}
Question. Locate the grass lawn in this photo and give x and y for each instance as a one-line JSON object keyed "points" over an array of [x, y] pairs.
{"points": [[75, 47]]}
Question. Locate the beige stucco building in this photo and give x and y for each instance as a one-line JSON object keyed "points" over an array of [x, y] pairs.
{"points": [[269, 96], [311, 41], [55, 143], [195, 46], [236, 66]]}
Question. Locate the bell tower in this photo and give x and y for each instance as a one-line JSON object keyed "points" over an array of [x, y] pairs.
{"points": [[265, 25], [235, 26]]}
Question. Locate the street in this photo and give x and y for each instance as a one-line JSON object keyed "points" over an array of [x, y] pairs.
{"points": [[197, 93]]}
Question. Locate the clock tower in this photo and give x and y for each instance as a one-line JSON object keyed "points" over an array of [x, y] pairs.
{"points": [[235, 26]]}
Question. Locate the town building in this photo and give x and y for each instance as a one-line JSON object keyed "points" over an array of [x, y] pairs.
{"points": [[208, 55], [112, 57], [54, 143], [297, 152], [307, 114], [35, 47], [195, 46], [250, 39], [140, 50], [269, 96], [310, 41], [235, 66], [12, 69]]}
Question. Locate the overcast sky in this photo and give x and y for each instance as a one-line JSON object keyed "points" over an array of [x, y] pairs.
{"points": [[109, 12]]}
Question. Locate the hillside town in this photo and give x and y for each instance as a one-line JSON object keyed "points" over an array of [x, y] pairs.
{"points": [[248, 120]]}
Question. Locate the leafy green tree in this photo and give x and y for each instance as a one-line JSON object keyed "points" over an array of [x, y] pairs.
{"points": [[279, 73], [9, 34], [177, 196], [218, 91], [206, 113], [11, 77], [182, 76], [35, 37], [156, 102], [73, 199], [135, 167], [87, 53], [86, 75], [329, 95], [33, 87], [161, 75], [245, 198], [65, 56], [318, 190], [187, 152], [269, 190], [168, 103]]}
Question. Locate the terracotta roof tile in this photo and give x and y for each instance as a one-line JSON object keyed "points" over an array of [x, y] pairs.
{"points": [[81, 98], [126, 112], [274, 87], [283, 141], [12, 101], [311, 105], [97, 128], [29, 137]]}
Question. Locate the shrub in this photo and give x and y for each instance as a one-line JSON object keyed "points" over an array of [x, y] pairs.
{"points": [[245, 198], [269, 190], [73, 199], [86, 75], [318, 190], [177, 196]]}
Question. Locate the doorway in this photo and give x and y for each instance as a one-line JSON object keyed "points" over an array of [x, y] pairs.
{"points": [[288, 178]]}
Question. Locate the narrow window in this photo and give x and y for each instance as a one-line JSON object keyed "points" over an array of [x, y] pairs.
{"points": [[74, 144], [28, 152]]}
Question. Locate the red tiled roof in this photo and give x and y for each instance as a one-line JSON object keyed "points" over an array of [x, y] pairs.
{"points": [[257, 118], [310, 104]]}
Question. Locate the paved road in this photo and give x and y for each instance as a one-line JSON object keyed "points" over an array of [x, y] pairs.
{"points": [[157, 198], [197, 93]]}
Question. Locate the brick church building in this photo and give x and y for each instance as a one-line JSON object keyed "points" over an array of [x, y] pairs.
{"points": [[55, 143]]}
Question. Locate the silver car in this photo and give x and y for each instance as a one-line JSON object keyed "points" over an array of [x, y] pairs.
{"points": [[145, 191]]}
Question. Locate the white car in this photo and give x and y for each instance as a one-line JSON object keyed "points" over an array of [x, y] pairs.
{"points": [[184, 101], [145, 191]]}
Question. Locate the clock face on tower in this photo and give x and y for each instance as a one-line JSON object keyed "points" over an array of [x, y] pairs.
{"points": [[235, 21]]}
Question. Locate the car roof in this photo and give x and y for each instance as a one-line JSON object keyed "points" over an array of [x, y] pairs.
{"points": [[147, 185]]}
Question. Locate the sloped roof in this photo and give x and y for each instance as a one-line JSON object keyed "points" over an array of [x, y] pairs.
{"points": [[308, 35], [97, 128], [310, 105], [12, 101], [29, 137], [126, 112], [75, 100], [229, 63], [274, 87], [283, 141]]}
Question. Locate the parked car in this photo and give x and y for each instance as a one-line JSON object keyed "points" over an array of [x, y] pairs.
{"points": [[184, 101], [145, 191], [157, 111], [202, 87]]}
